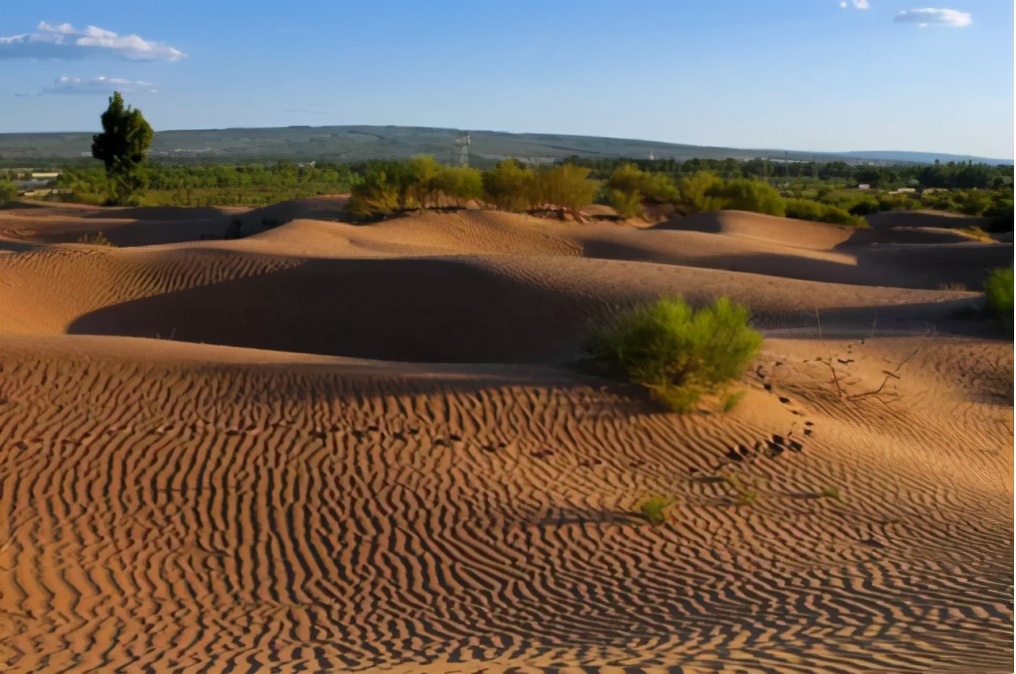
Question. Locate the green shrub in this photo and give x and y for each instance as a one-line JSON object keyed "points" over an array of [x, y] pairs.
{"points": [[459, 184], [745, 194], [627, 204], [382, 190], [628, 186], [509, 186], [998, 290], [804, 209], [8, 191], [678, 353], [564, 185], [695, 191]]}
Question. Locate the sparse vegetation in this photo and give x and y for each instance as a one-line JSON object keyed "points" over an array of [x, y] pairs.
{"points": [[978, 233], [802, 209], [654, 508], [732, 400], [745, 194], [833, 494], [678, 353], [998, 290], [8, 191], [628, 186], [97, 239]]}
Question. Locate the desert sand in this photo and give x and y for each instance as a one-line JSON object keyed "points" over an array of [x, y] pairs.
{"points": [[338, 447]]}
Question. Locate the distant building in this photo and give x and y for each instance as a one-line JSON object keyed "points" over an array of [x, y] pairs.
{"points": [[864, 186], [37, 175], [903, 190]]}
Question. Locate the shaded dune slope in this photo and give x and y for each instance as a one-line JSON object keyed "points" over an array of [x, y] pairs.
{"points": [[464, 308], [189, 508]]}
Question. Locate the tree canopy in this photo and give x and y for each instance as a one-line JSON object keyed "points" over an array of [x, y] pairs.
{"points": [[123, 147]]}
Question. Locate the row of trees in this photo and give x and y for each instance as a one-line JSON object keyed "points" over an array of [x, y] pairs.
{"points": [[956, 175], [214, 185]]}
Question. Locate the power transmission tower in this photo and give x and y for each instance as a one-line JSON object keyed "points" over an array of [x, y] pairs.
{"points": [[463, 142]]}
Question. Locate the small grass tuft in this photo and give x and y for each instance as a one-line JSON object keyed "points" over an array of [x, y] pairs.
{"points": [[732, 400], [977, 233], [833, 493], [97, 239], [654, 508]]}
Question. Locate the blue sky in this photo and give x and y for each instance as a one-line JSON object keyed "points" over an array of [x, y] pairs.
{"points": [[829, 75]]}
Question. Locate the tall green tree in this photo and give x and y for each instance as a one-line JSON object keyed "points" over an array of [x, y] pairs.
{"points": [[123, 147]]}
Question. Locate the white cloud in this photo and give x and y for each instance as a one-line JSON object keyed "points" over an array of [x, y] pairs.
{"points": [[934, 17], [65, 41], [97, 85], [859, 4]]}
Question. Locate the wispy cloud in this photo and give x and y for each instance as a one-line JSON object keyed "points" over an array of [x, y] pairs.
{"points": [[934, 17], [97, 85], [67, 42], [859, 4]]}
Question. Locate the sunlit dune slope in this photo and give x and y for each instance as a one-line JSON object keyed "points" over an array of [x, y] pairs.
{"points": [[172, 506]]}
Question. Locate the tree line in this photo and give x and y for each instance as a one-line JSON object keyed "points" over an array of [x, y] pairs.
{"points": [[950, 175]]}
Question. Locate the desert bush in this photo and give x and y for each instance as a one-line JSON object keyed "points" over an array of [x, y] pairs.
{"points": [[8, 191], [695, 191], [897, 202], [862, 206], [627, 204], [628, 186], [804, 209], [998, 290], [678, 353], [1001, 214], [97, 239], [564, 185], [459, 184], [508, 186], [383, 190], [745, 194]]}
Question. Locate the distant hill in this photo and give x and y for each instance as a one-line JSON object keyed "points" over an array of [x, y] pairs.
{"points": [[353, 143], [923, 157]]}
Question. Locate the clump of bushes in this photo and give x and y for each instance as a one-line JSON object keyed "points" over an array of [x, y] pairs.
{"points": [[97, 239], [745, 194], [509, 186], [998, 290], [564, 185], [422, 182], [628, 186], [803, 209], [679, 353]]}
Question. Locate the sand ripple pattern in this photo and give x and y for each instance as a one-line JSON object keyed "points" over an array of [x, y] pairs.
{"points": [[175, 516]]}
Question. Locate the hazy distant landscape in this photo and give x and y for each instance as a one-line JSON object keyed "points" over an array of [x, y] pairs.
{"points": [[358, 143]]}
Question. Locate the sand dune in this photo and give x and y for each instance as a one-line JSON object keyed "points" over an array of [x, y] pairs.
{"points": [[382, 461], [938, 219]]}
